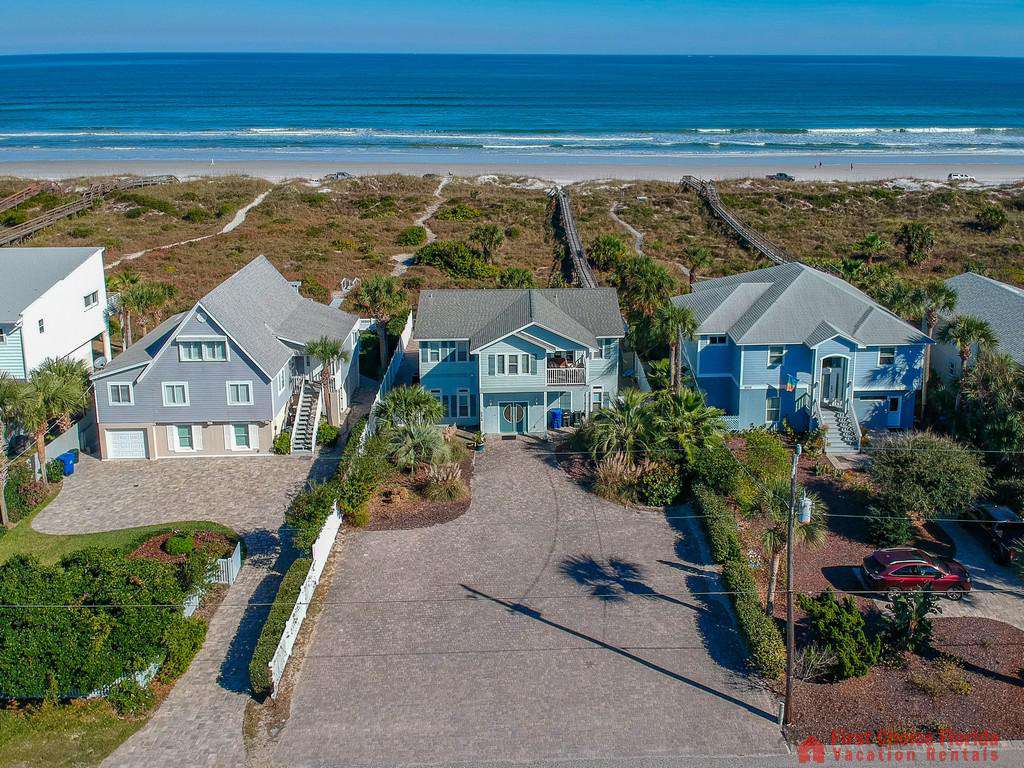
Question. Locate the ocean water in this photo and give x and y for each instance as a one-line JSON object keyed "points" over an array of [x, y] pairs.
{"points": [[599, 109]]}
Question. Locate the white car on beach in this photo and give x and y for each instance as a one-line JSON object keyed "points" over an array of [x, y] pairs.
{"points": [[960, 177]]}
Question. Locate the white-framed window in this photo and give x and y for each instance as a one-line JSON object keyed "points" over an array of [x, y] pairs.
{"points": [[596, 398], [775, 355], [501, 365], [175, 393], [606, 349], [240, 437], [513, 365], [211, 351], [772, 410], [3, 336], [886, 355], [715, 340], [91, 299], [435, 352], [510, 364], [239, 392], [119, 393], [463, 403], [183, 438], [462, 351], [282, 379], [42, 326]]}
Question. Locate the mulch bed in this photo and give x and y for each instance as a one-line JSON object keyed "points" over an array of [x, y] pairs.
{"points": [[152, 548], [990, 653], [400, 507]]}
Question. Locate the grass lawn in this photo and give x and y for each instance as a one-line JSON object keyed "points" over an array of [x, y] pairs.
{"points": [[62, 736], [23, 539]]}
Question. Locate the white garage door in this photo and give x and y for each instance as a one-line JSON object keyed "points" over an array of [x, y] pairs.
{"points": [[126, 443]]}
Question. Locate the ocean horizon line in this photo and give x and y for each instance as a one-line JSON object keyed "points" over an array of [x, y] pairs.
{"points": [[507, 54]]}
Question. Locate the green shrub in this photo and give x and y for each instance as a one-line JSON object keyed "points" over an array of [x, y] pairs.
{"points": [[309, 511], [273, 628], [445, 483], [134, 213], [659, 484], [130, 698], [282, 444], [765, 455], [359, 517], [327, 435], [513, 232], [223, 210], [767, 648], [80, 232], [992, 218], [839, 627], [720, 524], [412, 236], [196, 215], [907, 623], [23, 492], [183, 639], [313, 289], [145, 201], [382, 207], [888, 527], [458, 212], [54, 471], [455, 258], [715, 468], [179, 544], [515, 277]]}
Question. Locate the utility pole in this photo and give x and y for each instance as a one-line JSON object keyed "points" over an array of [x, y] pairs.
{"points": [[787, 712]]}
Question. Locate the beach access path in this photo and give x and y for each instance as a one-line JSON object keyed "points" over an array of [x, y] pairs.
{"points": [[404, 260]]}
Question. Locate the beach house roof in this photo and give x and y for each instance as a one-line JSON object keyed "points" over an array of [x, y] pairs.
{"points": [[793, 303], [260, 310], [28, 273], [998, 304], [486, 315]]}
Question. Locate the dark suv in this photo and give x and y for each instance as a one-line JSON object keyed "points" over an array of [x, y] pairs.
{"points": [[1000, 527], [906, 569]]}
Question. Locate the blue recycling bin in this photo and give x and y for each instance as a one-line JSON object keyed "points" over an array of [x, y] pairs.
{"points": [[556, 418], [68, 460]]}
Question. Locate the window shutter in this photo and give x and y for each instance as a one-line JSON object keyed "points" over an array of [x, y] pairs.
{"points": [[423, 352], [172, 443], [197, 437], [254, 437], [525, 362], [472, 405], [228, 441], [490, 365]]}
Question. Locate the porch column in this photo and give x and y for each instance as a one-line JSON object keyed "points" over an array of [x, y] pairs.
{"points": [[106, 343]]}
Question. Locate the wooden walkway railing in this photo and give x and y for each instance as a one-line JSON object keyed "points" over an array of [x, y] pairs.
{"points": [[89, 198], [22, 195], [580, 263], [758, 242]]}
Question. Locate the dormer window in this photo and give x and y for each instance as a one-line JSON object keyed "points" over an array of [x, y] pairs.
{"points": [[195, 351], [716, 340]]}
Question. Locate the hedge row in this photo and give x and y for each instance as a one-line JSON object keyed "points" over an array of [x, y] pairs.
{"points": [[284, 603], [767, 647]]}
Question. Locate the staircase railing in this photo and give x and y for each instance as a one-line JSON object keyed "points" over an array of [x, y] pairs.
{"points": [[851, 414], [315, 423]]}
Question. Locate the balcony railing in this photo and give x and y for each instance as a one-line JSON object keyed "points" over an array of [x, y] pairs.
{"points": [[568, 375]]}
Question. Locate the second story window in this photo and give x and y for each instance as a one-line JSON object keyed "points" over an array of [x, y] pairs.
{"points": [[510, 365], [193, 351], [42, 326], [775, 355], [175, 393], [119, 394], [91, 299], [716, 340], [239, 393], [886, 355], [606, 349]]}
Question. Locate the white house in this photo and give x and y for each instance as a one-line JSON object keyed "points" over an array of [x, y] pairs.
{"points": [[52, 304]]}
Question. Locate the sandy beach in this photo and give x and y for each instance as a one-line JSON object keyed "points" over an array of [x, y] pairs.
{"points": [[846, 168]]}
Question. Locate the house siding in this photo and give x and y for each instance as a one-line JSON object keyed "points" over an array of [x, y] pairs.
{"points": [[12, 355]]}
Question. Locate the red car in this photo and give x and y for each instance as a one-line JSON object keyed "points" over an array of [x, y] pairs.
{"points": [[906, 569]]}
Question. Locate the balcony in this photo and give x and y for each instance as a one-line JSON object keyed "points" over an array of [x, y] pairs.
{"points": [[571, 374]]}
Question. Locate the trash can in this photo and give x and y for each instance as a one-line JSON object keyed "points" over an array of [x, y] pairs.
{"points": [[68, 460], [74, 454], [556, 418]]}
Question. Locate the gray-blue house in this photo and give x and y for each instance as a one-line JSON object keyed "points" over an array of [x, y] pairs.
{"points": [[227, 376], [504, 359], [791, 342]]}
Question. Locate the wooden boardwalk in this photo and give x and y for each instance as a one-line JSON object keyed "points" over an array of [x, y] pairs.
{"points": [[756, 241], [88, 199], [21, 196], [580, 263]]}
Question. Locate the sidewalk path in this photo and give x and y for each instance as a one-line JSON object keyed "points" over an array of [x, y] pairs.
{"points": [[404, 260]]}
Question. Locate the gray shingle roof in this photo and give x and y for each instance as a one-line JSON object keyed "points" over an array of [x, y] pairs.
{"points": [[258, 308], [27, 273], [793, 304], [484, 315], [144, 350], [999, 304]]}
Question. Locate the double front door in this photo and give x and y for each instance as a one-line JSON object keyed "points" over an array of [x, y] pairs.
{"points": [[833, 381], [512, 417]]}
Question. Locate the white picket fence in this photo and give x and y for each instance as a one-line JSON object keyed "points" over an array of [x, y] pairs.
{"points": [[321, 549], [388, 381]]}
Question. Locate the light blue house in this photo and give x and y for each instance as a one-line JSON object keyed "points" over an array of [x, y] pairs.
{"points": [[791, 342], [504, 359]]}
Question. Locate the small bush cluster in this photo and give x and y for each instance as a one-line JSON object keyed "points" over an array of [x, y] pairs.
{"points": [[273, 628], [908, 626], [196, 215], [128, 698], [327, 435], [54, 471], [767, 648], [660, 484], [382, 207], [838, 627], [516, 277], [412, 236], [458, 212], [182, 639], [720, 523], [23, 492], [140, 200], [179, 544], [282, 444], [445, 483], [455, 258], [888, 527]]}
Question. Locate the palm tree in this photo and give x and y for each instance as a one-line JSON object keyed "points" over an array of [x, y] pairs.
{"points": [[686, 423], [69, 377], [916, 238], [697, 258], [413, 444], [644, 285], [772, 511], [47, 396], [382, 299], [966, 333], [935, 298], [119, 283], [9, 393], [409, 405], [669, 324], [143, 299], [326, 350], [623, 427], [489, 237], [871, 247]]}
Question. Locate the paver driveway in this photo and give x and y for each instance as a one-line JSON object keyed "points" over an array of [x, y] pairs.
{"points": [[544, 624]]}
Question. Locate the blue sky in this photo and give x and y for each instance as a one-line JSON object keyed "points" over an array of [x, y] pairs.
{"points": [[954, 27]]}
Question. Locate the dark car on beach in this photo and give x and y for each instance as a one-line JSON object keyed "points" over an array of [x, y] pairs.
{"points": [[780, 176], [904, 569]]}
